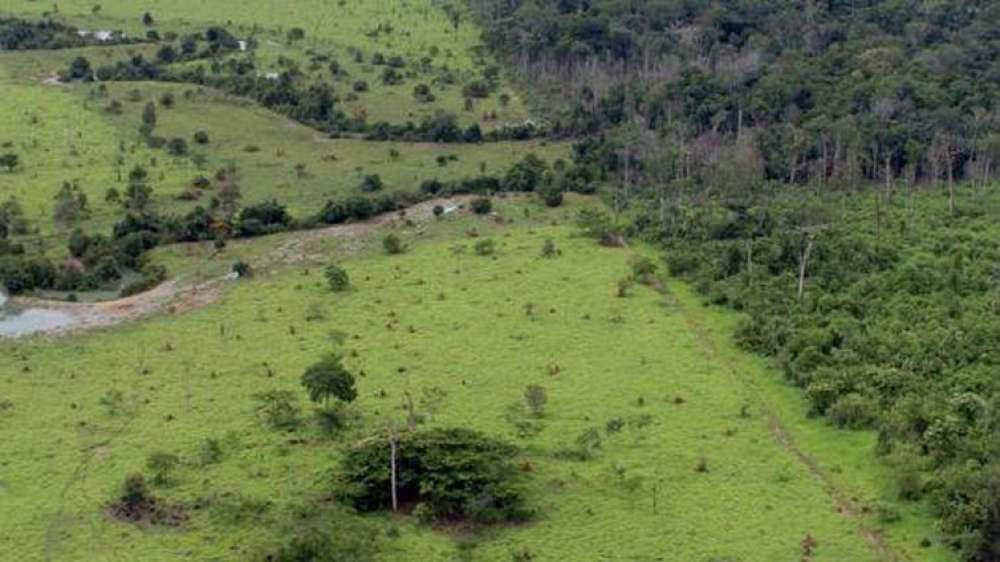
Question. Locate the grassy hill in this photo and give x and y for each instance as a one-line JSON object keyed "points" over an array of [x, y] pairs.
{"points": [[681, 416]]}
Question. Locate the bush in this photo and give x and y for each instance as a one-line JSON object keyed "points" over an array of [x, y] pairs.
{"points": [[552, 197], [476, 89], [162, 464], [485, 247], [263, 218], [324, 543], [456, 473], [643, 269], [549, 249], [393, 244], [242, 269], [422, 93], [371, 183], [201, 137], [151, 277], [135, 502], [177, 147], [852, 411], [337, 278], [278, 409], [482, 205]]}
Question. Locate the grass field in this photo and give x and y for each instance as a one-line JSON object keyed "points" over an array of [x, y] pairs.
{"points": [[65, 134], [412, 29], [440, 321]]}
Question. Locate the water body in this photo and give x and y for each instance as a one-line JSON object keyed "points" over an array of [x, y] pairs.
{"points": [[16, 323]]}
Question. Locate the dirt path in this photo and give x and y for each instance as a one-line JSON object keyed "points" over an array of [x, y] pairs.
{"points": [[176, 297], [844, 504]]}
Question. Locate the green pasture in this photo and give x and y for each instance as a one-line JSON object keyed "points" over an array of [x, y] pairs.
{"points": [[463, 334], [412, 29], [65, 133]]}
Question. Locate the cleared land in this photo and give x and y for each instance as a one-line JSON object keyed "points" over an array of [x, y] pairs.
{"points": [[454, 329], [698, 451]]}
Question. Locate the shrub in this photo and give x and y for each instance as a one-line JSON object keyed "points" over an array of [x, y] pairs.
{"points": [[393, 244], [201, 137], [422, 93], [135, 502], [852, 411], [476, 89], [266, 217], [371, 183], [322, 543], [525, 175], [278, 409], [242, 269], [624, 285], [337, 278], [485, 247], [177, 147], [643, 269], [162, 464], [360, 86], [549, 249], [482, 205], [456, 473], [552, 196]]}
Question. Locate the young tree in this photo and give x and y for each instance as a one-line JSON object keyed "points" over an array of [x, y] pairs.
{"points": [[337, 278], [328, 379]]}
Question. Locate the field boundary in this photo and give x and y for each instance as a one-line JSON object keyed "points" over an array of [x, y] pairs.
{"points": [[845, 505]]}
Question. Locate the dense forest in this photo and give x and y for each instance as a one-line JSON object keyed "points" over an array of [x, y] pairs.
{"points": [[723, 92], [735, 133]]}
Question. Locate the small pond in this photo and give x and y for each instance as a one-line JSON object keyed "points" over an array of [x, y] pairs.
{"points": [[16, 322]]}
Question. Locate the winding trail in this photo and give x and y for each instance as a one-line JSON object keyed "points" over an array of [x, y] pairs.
{"points": [[841, 499], [175, 296]]}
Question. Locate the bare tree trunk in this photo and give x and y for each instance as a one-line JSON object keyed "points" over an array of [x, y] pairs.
{"points": [[739, 120], [951, 182], [803, 262]]}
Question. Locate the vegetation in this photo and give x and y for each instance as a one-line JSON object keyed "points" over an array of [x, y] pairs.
{"points": [[729, 286], [730, 94], [446, 474], [883, 319]]}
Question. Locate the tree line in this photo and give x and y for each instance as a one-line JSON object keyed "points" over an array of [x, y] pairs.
{"points": [[825, 93]]}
